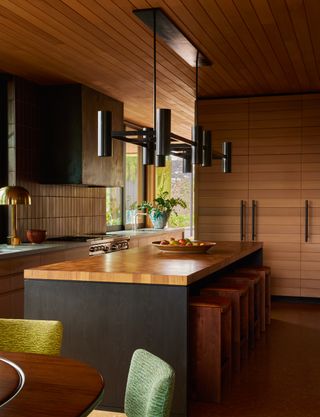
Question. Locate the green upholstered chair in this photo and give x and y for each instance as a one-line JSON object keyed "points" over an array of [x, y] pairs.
{"points": [[31, 336], [149, 388]]}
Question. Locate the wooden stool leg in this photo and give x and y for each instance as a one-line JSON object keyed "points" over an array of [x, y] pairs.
{"points": [[210, 339], [268, 295], [265, 276], [206, 368], [226, 336], [258, 310], [236, 324], [244, 331]]}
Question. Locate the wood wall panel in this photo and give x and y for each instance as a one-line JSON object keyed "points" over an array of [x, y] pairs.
{"points": [[283, 137], [274, 182], [257, 48], [310, 186], [228, 121]]}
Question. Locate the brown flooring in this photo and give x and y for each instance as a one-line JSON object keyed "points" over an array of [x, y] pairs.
{"points": [[282, 375]]}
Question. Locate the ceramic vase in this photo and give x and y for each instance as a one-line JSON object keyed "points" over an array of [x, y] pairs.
{"points": [[159, 219]]}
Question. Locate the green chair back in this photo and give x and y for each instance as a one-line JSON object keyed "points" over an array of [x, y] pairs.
{"points": [[150, 386], [31, 336]]}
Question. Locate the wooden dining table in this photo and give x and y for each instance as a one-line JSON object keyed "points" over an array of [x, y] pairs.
{"points": [[47, 386]]}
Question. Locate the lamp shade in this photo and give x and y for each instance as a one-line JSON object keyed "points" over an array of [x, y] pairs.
{"points": [[13, 194], [104, 133]]}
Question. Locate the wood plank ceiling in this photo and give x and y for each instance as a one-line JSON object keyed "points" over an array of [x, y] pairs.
{"points": [[258, 47]]}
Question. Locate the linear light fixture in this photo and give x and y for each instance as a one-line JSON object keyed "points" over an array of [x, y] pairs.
{"points": [[159, 142]]}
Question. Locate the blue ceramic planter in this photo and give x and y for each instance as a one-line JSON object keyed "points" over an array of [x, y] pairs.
{"points": [[159, 220]]}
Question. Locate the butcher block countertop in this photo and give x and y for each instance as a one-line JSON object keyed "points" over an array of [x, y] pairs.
{"points": [[146, 265]]}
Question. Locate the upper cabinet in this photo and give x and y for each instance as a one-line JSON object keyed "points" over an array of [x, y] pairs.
{"points": [[70, 137]]}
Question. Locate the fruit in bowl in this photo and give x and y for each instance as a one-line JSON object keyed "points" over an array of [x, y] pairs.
{"points": [[183, 245], [36, 235]]}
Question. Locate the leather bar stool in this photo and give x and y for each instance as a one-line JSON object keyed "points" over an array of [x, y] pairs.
{"points": [[265, 276], [210, 346], [239, 297], [255, 294]]}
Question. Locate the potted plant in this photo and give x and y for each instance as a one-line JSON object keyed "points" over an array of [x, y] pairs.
{"points": [[159, 211]]}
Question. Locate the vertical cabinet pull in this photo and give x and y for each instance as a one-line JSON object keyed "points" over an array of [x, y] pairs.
{"points": [[242, 214], [306, 224], [254, 207]]}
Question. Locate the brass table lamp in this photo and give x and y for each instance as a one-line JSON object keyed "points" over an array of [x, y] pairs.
{"points": [[11, 196]]}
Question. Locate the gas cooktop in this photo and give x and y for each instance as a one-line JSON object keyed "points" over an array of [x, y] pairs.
{"points": [[87, 237]]}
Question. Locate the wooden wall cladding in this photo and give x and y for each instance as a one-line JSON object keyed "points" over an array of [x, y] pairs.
{"points": [[59, 209], [276, 163], [257, 48], [97, 170]]}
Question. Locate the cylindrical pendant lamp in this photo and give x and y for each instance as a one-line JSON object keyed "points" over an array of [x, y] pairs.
{"points": [[163, 130], [197, 147], [186, 163], [148, 151], [226, 161], [104, 133], [206, 149]]}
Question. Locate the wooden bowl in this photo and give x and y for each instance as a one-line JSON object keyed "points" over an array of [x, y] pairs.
{"points": [[204, 247], [36, 235]]}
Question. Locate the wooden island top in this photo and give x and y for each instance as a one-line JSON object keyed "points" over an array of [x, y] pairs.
{"points": [[146, 265]]}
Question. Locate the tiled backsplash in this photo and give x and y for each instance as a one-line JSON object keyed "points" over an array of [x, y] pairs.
{"points": [[63, 209], [59, 209]]}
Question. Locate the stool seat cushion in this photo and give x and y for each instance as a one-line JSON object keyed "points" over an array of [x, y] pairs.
{"points": [[242, 288], [211, 301]]}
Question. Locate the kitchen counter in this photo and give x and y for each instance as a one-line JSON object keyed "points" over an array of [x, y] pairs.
{"points": [[108, 307], [147, 265], [8, 251], [146, 232]]}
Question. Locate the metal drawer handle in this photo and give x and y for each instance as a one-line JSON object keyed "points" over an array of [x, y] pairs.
{"points": [[242, 213], [306, 225], [254, 207]]}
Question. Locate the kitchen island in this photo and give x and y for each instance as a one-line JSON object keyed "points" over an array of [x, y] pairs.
{"points": [[112, 304]]}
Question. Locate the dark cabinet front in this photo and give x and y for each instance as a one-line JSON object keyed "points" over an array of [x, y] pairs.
{"points": [[70, 137]]}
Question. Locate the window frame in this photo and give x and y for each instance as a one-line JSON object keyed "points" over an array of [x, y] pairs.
{"points": [[142, 186]]}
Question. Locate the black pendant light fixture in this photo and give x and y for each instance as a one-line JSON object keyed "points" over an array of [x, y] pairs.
{"points": [[159, 142]]}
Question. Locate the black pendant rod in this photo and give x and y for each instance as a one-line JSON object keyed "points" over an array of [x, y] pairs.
{"points": [[154, 69], [181, 138], [140, 132], [132, 141], [197, 90]]}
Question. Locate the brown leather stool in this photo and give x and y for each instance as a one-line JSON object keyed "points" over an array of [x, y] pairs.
{"points": [[238, 294], [255, 294], [265, 275], [210, 346]]}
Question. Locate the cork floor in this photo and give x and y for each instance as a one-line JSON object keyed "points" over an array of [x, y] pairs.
{"points": [[282, 375]]}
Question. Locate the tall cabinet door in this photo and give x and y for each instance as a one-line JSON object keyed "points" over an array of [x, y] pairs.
{"points": [[218, 195], [310, 193], [274, 186]]}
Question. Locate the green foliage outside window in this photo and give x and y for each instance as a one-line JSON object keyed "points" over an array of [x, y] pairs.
{"points": [[114, 208], [171, 179]]}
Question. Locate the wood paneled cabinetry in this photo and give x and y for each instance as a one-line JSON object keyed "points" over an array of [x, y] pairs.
{"points": [[11, 276], [310, 191], [219, 195], [282, 168], [274, 186], [70, 137]]}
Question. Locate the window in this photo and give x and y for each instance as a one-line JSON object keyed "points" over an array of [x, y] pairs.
{"points": [[121, 203], [114, 208], [133, 174], [172, 179]]}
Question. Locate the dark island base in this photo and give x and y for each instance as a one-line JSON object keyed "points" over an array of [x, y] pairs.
{"points": [[105, 322]]}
